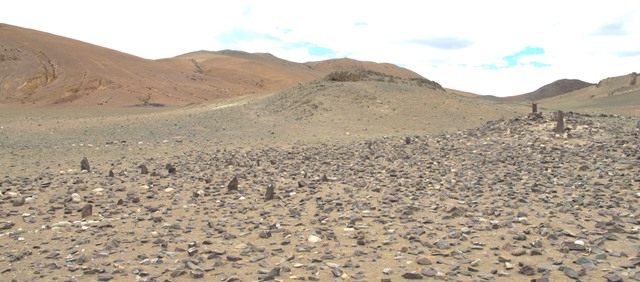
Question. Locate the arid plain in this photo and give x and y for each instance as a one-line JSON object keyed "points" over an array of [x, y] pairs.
{"points": [[378, 173]]}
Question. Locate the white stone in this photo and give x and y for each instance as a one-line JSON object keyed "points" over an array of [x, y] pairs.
{"points": [[313, 239], [169, 190]]}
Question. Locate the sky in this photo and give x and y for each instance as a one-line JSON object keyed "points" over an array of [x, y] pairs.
{"points": [[487, 47]]}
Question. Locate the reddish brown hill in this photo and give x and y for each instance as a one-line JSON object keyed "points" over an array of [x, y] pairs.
{"points": [[41, 68], [254, 72], [45, 69]]}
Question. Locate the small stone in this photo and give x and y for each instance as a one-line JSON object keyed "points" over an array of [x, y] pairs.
{"points": [[429, 272], [18, 201], [264, 234], [178, 272], [387, 271], [520, 252], [613, 277], [272, 274], [527, 269], [337, 272], [508, 265], [520, 237], [412, 275], [233, 258], [86, 211], [111, 174], [314, 239], [571, 273], [423, 260], [536, 252], [104, 277], [196, 274]]}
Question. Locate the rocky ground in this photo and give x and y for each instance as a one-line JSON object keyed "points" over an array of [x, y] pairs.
{"points": [[508, 201]]}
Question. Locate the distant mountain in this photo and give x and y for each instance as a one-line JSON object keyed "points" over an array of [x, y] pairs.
{"points": [[45, 69], [619, 94], [556, 88]]}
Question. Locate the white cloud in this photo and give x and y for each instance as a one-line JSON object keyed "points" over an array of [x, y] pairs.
{"points": [[445, 41]]}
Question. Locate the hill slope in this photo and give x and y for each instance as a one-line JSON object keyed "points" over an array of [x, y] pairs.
{"points": [[41, 68], [620, 95], [553, 89]]}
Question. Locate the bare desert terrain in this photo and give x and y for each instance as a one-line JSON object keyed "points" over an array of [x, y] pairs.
{"points": [[232, 166]]}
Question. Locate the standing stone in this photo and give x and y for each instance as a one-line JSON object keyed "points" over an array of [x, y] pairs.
{"points": [[270, 193], [638, 125], [84, 165], [87, 210], [111, 173], [170, 168], [407, 140], [534, 108], [143, 169], [233, 184], [559, 122]]}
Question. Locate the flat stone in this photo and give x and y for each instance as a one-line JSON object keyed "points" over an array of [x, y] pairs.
{"points": [[104, 277], [423, 260], [412, 276], [571, 273]]}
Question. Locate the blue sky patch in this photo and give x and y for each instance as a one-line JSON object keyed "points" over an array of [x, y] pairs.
{"points": [[243, 35], [361, 24], [445, 43], [513, 60], [313, 49], [611, 29]]}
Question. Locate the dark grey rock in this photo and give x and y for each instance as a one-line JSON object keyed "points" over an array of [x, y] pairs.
{"points": [[412, 276], [18, 202], [233, 184], [571, 273], [196, 274], [526, 269], [270, 192], [87, 210], [84, 165], [104, 277], [170, 169], [143, 169], [336, 271]]}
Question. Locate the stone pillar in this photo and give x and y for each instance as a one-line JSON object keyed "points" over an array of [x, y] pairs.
{"points": [[270, 193], [534, 108], [84, 165], [87, 210], [559, 122], [233, 184]]}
